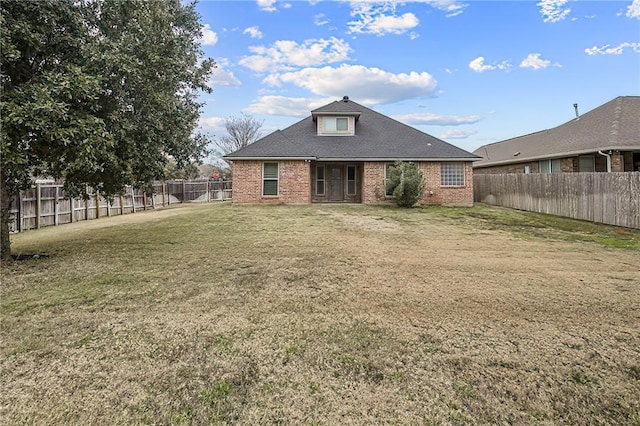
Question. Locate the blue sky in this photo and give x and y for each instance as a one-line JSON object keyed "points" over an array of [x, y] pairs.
{"points": [[468, 72]]}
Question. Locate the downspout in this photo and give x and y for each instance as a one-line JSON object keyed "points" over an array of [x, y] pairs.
{"points": [[608, 160]]}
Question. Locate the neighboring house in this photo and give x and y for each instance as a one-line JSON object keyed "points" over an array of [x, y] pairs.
{"points": [[342, 153], [604, 139]]}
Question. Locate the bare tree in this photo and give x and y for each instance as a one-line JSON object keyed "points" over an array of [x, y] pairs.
{"points": [[241, 131]]}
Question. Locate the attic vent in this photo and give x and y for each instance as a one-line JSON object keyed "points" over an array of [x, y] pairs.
{"points": [[345, 99]]}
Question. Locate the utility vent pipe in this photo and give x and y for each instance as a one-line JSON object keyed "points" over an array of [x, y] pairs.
{"points": [[575, 106]]}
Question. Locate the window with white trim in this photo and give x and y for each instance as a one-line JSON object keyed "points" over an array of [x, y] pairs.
{"points": [[270, 179], [587, 163], [452, 174], [320, 180], [549, 166], [387, 177], [351, 180], [336, 124]]}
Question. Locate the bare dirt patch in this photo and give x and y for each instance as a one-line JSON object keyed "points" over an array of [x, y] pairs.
{"points": [[319, 315]]}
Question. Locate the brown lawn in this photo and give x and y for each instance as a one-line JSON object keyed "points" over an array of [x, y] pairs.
{"points": [[214, 314]]}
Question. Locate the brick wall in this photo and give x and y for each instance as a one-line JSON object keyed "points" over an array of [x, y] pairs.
{"points": [[373, 189], [293, 185], [435, 194], [508, 168], [617, 162]]}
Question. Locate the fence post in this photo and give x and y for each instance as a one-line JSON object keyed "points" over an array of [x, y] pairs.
{"points": [[72, 202], [38, 204], [133, 199], [164, 189], [20, 211], [144, 201], [97, 196], [86, 204], [56, 207], [184, 195]]}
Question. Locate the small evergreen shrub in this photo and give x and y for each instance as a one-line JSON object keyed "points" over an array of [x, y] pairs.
{"points": [[406, 182]]}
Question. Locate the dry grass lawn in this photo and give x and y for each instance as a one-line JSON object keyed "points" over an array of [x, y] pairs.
{"points": [[322, 314]]}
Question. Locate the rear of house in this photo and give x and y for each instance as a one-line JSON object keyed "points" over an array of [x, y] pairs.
{"points": [[342, 153]]}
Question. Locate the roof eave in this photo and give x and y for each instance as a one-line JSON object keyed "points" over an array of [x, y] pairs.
{"points": [[554, 156], [387, 159], [263, 158]]}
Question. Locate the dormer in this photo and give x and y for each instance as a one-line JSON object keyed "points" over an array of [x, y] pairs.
{"points": [[336, 119]]}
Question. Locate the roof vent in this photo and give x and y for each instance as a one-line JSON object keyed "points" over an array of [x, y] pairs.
{"points": [[575, 106], [345, 99]]}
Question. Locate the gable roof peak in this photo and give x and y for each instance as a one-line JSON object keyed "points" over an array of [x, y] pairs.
{"points": [[345, 106]]}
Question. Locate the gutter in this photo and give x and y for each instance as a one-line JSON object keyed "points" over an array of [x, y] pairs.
{"points": [[608, 160], [353, 159]]}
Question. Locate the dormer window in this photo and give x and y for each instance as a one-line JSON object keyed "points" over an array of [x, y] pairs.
{"points": [[336, 124]]}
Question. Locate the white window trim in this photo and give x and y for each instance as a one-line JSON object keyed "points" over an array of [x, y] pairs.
{"points": [[322, 128], [550, 162], [386, 179], [464, 175], [324, 180], [277, 179], [583, 157], [355, 180]]}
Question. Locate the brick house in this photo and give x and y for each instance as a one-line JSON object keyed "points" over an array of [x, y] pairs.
{"points": [[342, 152], [604, 139]]}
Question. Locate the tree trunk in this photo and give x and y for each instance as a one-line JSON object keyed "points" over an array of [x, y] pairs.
{"points": [[5, 205]]}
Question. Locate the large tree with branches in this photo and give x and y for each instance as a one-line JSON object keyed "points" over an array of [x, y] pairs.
{"points": [[97, 93], [241, 131]]}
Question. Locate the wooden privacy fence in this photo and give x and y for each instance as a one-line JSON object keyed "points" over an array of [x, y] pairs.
{"points": [[611, 198], [47, 205]]}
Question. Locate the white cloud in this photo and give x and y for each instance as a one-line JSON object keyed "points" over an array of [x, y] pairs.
{"points": [[394, 24], [364, 85], [457, 134], [254, 32], [437, 120], [606, 50], [222, 76], [209, 37], [553, 10], [478, 65], [285, 54], [320, 19], [267, 5], [213, 124], [452, 7], [379, 19], [534, 61], [633, 11], [281, 105]]}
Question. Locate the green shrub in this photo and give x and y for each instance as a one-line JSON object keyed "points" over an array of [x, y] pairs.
{"points": [[406, 182]]}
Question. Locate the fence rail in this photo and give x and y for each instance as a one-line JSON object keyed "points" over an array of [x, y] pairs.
{"points": [[47, 204], [610, 198]]}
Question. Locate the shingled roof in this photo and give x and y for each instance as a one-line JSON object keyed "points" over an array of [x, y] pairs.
{"points": [[377, 138], [612, 126]]}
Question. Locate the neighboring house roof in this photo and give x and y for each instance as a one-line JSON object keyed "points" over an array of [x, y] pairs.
{"points": [[377, 138], [612, 126]]}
